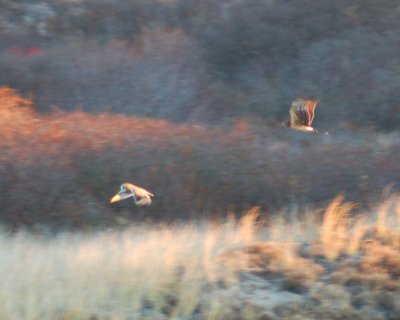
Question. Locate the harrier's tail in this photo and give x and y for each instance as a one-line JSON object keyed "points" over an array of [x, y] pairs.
{"points": [[321, 132]]}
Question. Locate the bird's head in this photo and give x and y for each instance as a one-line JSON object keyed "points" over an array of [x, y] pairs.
{"points": [[122, 187], [124, 193], [286, 124]]}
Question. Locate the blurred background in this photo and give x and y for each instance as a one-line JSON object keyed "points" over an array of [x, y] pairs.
{"points": [[186, 99]]}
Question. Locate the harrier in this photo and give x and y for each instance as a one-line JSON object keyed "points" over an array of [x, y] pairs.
{"points": [[140, 196], [302, 115]]}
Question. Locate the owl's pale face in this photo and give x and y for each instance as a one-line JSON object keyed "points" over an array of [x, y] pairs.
{"points": [[123, 194]]}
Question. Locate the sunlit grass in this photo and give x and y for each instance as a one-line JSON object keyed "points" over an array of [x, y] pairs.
{"points": [[166, 269], [184, 270]]}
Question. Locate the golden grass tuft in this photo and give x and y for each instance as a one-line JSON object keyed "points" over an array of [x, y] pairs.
{"points": [[387, 227], [343, 232], [12, 103], [269, 260], [383, 259], [334, 231]]}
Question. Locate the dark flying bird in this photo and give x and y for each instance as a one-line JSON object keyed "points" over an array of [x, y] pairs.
{"points": [[302, 115]]}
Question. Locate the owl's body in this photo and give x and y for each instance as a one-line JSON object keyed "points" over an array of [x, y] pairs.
{"points": [[140, 196]]}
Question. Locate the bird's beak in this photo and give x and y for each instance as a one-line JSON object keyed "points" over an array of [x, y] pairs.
{"points": [[120, 196]]}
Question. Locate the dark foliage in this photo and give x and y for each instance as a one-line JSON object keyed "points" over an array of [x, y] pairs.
{"points": [[207, 60]]}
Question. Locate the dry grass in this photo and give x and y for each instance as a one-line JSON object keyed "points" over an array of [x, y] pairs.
{"points": [[159, 271], [163, 271], [225, 270]]}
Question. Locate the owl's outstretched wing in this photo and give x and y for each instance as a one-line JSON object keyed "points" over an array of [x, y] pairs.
{"points": [[140, 191]]}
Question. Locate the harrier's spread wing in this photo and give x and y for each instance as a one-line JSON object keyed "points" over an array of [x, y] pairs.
{"points": [[311, 104], [300, 114]]}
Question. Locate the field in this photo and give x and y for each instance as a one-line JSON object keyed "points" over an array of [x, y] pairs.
{"points": [[68, 254], [298, 265], [187, 99], [233, 233]]}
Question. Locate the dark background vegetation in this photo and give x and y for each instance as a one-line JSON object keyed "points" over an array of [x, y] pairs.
{"points": [[185, 98]]}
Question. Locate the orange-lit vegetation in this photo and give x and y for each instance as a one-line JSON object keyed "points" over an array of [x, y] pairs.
{"points": [[238, 269], [62, 168]]}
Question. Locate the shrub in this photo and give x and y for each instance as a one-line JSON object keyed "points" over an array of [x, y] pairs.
{"points": [[191, 169]]}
